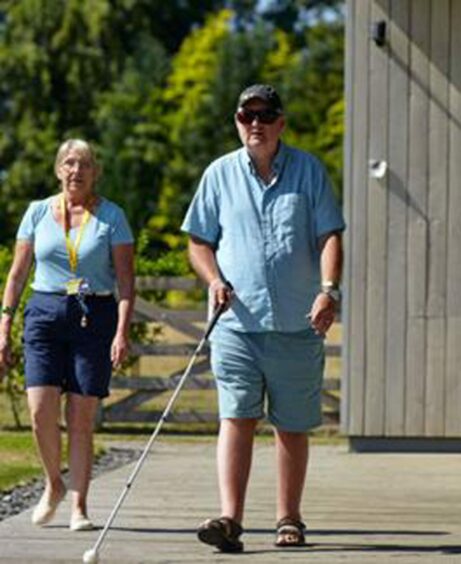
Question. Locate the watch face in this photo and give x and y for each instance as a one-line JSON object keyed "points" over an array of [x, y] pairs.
{"points": [[334, 294]]}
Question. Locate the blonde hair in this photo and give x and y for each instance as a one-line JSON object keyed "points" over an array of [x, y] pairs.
{"points": [[82, 147]]}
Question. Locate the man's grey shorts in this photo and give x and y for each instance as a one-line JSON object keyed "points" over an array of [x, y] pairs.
{"points": [[286, 369]]}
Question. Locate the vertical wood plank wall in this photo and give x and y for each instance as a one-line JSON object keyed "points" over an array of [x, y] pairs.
{"points": [[402, 314], [357, 237], [453, 380], [347, 200], [396, 287], [417, 241], [376, 241], [437, 212]]}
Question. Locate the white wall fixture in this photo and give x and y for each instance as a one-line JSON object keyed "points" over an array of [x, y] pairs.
{"points": [[377, 169]]}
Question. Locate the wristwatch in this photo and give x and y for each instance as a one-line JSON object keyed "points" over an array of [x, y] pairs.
{"points": [[331, 289]]}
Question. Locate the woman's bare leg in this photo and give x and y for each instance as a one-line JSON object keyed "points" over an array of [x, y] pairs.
{"points": [[80, 416], [45, 408]]}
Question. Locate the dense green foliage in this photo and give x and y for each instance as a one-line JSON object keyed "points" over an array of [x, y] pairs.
{"points": [[153, 84]]}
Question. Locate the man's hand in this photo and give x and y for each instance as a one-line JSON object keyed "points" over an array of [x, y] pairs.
{"points": [[220, 294], [322, 313]]}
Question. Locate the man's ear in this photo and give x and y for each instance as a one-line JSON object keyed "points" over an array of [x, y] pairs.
{"points": [[282, 124]]}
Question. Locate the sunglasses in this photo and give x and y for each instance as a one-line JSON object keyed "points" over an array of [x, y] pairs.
{"points": [[263, 116]]}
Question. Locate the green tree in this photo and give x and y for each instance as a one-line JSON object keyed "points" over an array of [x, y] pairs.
{"points": [[328, 144], [189, 120], [310, 81], [212, 66], [132, 140], [200, 97], [156, 98], [64, 66]]}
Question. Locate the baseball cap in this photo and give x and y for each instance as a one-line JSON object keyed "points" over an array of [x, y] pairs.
{"points": [[263, 92]]}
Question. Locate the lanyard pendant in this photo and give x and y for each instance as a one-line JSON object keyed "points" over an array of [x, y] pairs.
{"points": [[83, 290]]}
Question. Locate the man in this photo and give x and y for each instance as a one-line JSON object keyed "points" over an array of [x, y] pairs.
{"points": [[265, 219]]}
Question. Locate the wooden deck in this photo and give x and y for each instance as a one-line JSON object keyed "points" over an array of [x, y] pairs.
{"points": [[361, 509]]}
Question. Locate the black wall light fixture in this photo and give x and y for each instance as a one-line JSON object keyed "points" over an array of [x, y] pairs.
{"points": [[378, 32]]}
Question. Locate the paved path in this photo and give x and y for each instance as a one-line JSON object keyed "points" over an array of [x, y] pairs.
{"points": [[361, 508]]}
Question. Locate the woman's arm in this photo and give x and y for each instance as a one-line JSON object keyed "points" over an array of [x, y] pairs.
{"points": [[123, 257], [14, 287]]}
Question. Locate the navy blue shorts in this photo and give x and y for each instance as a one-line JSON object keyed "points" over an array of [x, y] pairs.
{"points": [[59, 352]]}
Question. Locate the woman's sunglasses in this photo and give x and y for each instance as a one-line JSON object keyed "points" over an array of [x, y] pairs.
{"points": [[263, 116]]}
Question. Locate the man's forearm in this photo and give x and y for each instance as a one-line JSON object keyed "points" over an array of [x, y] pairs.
{"points": [[203, 260], [331, 258]]}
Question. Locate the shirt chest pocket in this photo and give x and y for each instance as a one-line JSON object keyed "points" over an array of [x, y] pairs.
{"points": [[290, 215]]}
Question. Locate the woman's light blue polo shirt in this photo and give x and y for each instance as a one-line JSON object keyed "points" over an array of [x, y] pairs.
{"points": [[266, 236], [107, 227]]}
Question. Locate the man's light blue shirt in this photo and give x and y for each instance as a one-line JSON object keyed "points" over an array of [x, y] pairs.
{"points": [[107, 227], [266, 236]]}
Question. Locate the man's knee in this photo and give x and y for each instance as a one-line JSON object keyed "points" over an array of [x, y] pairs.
{"points": [[241, 423]]}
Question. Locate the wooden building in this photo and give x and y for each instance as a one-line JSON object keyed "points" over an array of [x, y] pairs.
{"points": [[402, 311]]}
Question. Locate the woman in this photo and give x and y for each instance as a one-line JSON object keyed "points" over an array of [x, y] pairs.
{"points": [[73, 333]]}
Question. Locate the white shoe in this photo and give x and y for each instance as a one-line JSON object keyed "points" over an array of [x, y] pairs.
{"points": [[46, 508], [80, 523]]}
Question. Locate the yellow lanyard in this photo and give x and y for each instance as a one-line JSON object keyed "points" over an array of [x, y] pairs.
{"points": [[72, 248]]}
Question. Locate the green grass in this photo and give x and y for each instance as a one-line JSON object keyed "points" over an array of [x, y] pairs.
{"points": [[19, 459], [16, 474], [6, 415]]}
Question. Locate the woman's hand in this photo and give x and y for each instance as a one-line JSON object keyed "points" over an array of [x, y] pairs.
{"points": [[123, 257], [322, 314], [15, 282], [6, 357], [119, 349]]}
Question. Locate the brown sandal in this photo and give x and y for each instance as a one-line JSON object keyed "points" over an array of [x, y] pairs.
{"points": [[290, 532], [223, 533]]}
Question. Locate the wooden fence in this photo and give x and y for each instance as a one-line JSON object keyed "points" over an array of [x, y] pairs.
{"points": [[142, 389]]}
